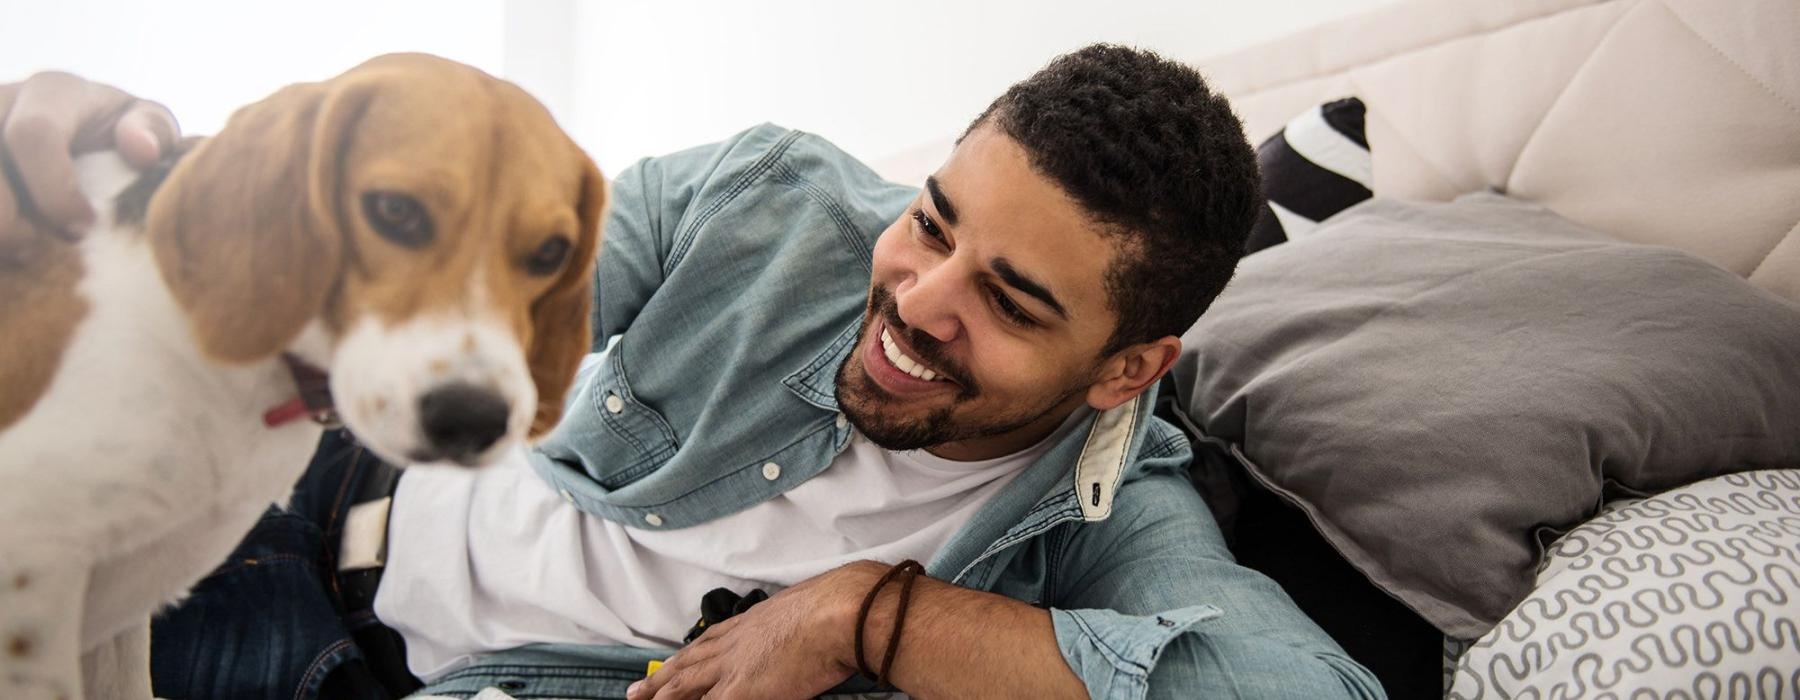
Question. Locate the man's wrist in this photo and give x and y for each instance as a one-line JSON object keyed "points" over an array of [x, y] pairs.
{"points": [[854, 583], [955, 639]]}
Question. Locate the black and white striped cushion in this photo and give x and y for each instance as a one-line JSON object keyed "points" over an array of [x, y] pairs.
{"points": [[1316, 166]]}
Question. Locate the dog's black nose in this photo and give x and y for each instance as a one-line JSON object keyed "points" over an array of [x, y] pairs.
{"points": [[462, 420]]}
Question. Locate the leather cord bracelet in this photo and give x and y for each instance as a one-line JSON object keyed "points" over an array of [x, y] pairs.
{"points": [[905, 572]]}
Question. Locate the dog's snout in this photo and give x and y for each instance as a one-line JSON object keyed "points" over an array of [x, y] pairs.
{"points": [[462, 420]]}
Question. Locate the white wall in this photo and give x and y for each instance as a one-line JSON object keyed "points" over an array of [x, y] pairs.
{"points": [[631, 78], [874, 77], [205, 58]]}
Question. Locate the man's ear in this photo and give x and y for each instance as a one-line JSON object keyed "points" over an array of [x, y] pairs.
{"points": [[1131, 371]]}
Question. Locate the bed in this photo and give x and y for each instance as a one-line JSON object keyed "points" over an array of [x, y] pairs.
{"points": [[1663, 126]]}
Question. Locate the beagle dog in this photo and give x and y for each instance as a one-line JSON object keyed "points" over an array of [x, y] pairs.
{"points": [[415, 230]]}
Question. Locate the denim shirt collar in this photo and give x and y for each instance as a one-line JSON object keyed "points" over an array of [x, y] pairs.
{"points": [[816, 383], [1075, 480]]}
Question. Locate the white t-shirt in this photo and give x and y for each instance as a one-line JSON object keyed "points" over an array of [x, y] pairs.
{"points": [[491, 559]]}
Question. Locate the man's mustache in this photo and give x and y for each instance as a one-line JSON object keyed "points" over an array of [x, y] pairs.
{"points": [[921, 345]]}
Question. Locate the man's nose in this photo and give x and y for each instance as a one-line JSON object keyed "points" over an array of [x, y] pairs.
{"points": [[931, 304]]}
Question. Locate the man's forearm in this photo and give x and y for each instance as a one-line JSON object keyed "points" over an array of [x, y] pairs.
{"points": [[959, 642]]}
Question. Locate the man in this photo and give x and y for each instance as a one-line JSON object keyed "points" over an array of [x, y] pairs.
{"points": [[805, 375]]}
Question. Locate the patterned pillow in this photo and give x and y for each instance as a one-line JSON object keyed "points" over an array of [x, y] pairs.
{"points": [[1318, 165], [1691, 593]]}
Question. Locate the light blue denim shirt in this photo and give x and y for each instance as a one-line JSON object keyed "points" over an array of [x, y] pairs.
{"points": [[731, 285]]}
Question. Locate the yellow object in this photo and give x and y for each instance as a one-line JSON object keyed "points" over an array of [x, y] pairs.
{"points": [[651, 671]]}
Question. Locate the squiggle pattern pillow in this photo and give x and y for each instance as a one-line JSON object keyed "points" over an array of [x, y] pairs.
{"points": [[1694, 593]]}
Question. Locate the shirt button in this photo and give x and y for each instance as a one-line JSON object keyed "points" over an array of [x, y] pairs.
{"points": [[771, 471], [842, 421], [566, 495], [614, 404], [654, 519]]}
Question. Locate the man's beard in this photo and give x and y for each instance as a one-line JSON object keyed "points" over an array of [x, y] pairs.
{"points": [[862, 400]]}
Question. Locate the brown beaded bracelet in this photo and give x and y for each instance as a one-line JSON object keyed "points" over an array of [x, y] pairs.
{"points": [[904, 572]]}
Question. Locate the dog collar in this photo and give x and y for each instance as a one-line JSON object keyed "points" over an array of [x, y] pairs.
{"points": [[313, 400]]}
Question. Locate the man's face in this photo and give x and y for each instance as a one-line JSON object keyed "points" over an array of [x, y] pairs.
{"points": [[987, 310]]}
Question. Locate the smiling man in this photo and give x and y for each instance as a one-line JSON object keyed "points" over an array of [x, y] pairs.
{"points": [[803, 376], [984, 323]]}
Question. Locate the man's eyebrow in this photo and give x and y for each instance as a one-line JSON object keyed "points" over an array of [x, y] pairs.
{"points": [[1019, 281], [940, 201]]}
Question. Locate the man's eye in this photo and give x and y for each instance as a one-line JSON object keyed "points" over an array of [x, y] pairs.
{"points": [[927, 225], [1010, 310]]}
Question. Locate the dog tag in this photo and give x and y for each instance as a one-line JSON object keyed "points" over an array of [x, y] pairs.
{"points": [[365, 536]]}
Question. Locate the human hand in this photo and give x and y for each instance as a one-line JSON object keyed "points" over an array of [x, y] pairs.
{"points": [[797, 644], [46, 121]]}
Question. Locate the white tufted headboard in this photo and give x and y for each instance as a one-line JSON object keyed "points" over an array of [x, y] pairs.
{"points": [[1674, 122]]}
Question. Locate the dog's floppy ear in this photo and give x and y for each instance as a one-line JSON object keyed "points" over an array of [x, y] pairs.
{"points": [[246, 229], [561, 333]]}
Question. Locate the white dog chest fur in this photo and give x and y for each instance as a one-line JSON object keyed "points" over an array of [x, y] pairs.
{"points": [[143, 463]]}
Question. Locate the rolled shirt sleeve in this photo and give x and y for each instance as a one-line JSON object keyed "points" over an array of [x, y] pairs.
{"points": [[1113, 653], [1150, 604]]}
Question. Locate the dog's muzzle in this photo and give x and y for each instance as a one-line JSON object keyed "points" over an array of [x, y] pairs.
{"points": [[460, 422]]}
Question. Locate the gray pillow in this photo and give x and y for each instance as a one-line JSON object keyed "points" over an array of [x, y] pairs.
{"points": [[1444, 387]]}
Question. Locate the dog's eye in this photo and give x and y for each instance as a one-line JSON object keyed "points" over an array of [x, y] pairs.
{"points": [[398, 217], [548, 258]]}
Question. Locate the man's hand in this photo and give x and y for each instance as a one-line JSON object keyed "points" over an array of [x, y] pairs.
{"points": [[46, 121], [796, 644]]}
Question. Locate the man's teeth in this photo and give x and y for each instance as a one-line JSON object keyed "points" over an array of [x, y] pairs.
{"points": [[906, 364]]}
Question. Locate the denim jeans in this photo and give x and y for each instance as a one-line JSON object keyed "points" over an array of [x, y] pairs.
{"points": [[269, 622]]}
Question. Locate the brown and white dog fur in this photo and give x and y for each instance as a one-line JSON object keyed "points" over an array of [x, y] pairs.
{"points": [[137, 363]]}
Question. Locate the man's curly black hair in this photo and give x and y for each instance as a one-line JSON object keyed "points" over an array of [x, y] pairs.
{"points": [[1155, 157]]}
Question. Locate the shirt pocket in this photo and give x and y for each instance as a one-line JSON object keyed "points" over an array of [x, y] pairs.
{"points": [[639, 437]]}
